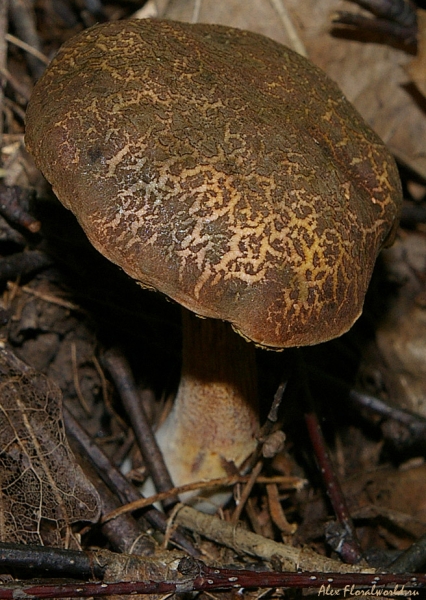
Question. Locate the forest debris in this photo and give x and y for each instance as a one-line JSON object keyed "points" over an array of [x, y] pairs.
{"points": [[245, 493], [15, 206], [346, 543], [364, 75]]}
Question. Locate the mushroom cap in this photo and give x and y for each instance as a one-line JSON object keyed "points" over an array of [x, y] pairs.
{"points": [[221, 168]]}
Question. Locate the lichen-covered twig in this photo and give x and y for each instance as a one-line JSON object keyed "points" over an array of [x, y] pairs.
{"points": [[246, 542]]}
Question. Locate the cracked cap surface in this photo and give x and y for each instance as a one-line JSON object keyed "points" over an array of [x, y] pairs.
{"points": [[221, 168]]}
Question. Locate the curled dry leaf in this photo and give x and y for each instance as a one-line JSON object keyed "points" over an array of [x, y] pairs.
{"points": [[417, 67], [43, 490]]}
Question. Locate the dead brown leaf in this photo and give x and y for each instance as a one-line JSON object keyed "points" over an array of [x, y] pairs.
{"points": [[401, 333], [371, 74], [402, 490], [395, 496], [254, 15], [417, 67], [42, 489]]}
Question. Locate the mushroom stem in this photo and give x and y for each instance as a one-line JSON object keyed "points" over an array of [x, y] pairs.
{"points": [[213, 424]]}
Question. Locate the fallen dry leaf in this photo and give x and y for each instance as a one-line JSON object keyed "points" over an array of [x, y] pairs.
{"points": [[402, 490], [401, 332], [417, 67], [42, 489], [394, 497], [371, 74]]}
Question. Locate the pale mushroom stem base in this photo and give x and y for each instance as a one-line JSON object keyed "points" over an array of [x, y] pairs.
{"points": [[212, 426]]}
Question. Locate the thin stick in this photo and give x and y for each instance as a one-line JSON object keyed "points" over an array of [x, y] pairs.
{"points": [[296, 42], [119, 369], [24, 46], [3, 58], [276, 511], [348, 547], [345, 540], [23, 17], [76, 380], [292, 482], [266, 428], [51, 299], [246, 492], [411, 559]]}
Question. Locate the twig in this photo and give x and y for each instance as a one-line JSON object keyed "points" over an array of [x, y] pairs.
{"points": [[24, 46], [407, 35], [272, 417], [411, 428], [17, 86], [296, 41], [3, 59], [76, 380], [15, 206], [196, 11], [246, 542], [276, 511], [125, 533], [106, 397], [118, 483], [119, 369], [12, 106], [24, 21], [396, 18], [400, 427], [398, 11], [345, 540], [199, 577], [292, 482], [414, 426], [246, 492], [347, 544], [23, 264], [266, 428], [72, 563], [50, 298]]}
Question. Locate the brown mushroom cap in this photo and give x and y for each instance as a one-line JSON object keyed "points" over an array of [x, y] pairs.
{"points": [[220, 168]]}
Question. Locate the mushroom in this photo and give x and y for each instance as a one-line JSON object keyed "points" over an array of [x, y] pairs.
{"points": [[226, 171]]}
